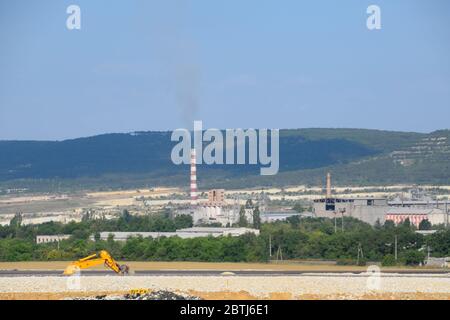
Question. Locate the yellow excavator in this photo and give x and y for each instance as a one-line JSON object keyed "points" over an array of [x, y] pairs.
{"points": [[94, 260]]}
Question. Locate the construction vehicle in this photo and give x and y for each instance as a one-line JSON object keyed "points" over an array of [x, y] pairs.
{"points": [[94, 260]]}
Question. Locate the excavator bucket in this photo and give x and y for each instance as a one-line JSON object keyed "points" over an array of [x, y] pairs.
{"points": [[124, 269]]}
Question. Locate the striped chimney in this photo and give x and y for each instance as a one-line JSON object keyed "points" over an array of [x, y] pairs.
{"points": [[328, 185], [193, 178]]}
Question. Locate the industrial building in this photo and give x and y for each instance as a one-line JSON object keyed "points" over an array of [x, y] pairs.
{"points": [[272, 216], [215, 210], [51, 238], [371, 210], [186, 233], [224, 215], [216, 197], [418, 208]]}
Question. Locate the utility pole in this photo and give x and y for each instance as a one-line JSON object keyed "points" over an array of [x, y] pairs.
{"points": [[279, 254], [360, 253], [395, 247], [270, 246], [335, 225], [342, 219], [446, 213]]}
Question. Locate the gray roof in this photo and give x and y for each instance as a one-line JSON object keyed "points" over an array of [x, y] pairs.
{"points": [[412, 210]]}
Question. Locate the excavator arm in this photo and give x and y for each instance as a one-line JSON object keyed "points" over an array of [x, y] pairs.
{"points": [[94, 260]]}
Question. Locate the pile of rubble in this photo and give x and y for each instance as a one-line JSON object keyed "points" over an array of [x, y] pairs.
{"points": [[155, 295], [160, 295]]}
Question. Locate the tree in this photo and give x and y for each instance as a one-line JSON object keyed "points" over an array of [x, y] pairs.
{"points": [[312, 238], [80, 234], [126, 216], [389, 224], [425, 224], [377, 225], [388, 260], [256, 218], [298, 207], [242, 218], [406, 223], [440, 242], [183, 221], [16, 221], [86, 216], [110, 238], [413, 257], [294, 221]]}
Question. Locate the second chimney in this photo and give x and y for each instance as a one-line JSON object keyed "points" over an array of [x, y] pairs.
{"points": [[328, 185]]}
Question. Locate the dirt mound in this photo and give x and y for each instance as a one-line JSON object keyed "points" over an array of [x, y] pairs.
{"points": [[155, 295]]}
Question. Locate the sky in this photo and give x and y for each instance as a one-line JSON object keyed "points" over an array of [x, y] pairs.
{"points": [[161, 64]]}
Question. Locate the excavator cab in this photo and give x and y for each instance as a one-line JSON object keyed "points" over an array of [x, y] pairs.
{"points": [[96, 259]]}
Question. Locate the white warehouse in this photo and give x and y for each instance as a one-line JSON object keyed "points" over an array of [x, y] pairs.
{"points": [[186, 233]]}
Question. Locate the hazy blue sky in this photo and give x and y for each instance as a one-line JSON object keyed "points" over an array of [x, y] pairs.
{"points": [[157, 65]]}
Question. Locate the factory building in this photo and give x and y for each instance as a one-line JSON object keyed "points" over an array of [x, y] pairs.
{"points": [[443, 205], [214, 210], [416, 215], [51, 238], [371, 210], [186, 233], [216, 197], [418, 206], [366, 209], [273, 216], [225, 215]]}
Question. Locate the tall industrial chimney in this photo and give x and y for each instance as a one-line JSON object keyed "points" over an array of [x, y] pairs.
{"points": [[193, 178], [328, 185]]}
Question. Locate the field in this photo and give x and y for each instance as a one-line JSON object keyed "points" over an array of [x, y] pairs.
{"points": [[39, 208], [315, 282], [311, 286], [304, 266]]}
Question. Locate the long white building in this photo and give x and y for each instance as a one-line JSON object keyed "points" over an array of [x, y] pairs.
{"points": [[186, 233]]}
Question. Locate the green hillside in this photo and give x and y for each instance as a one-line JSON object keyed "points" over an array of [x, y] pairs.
{"points": [[355, 156]]}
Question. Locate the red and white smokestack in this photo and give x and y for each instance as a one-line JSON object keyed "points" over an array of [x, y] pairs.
{"points": [[328, 185], [193, 178]]}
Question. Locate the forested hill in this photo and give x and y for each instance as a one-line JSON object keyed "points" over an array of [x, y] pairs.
{"points": [[143, 158]]}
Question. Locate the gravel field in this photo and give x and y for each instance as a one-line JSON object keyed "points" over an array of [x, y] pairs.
{"points": [[330, 285]]}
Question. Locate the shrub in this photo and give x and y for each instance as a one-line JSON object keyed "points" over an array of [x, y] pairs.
{"points": [[388, 260], [345, 262], [413, 257]]}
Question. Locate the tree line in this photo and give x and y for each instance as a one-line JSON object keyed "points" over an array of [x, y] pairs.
{"points": [[162, 222], [296, 238]]}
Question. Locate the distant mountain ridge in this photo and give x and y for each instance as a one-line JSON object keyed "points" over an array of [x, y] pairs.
{"points": [[356, 156]]}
